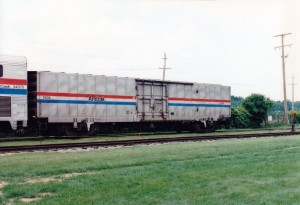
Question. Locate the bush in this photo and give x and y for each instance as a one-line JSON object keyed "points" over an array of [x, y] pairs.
{"points": [[258, 107], [252, 112], [240, 117]]}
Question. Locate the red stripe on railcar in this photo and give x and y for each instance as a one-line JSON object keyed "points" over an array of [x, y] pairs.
{"points": [[200, 100], [84, 95], [11, 81]]}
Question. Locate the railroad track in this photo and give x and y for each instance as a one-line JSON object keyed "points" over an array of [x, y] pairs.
{"points": [[84, 145], [40, 138]]}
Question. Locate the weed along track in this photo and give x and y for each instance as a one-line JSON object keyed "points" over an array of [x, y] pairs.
{"points": [[85, 145]]}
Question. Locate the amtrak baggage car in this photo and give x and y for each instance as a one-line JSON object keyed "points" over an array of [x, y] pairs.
{"points": [[99, 102], [13, 92]]}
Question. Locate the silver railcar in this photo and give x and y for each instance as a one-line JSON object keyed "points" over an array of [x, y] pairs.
{"points": [[92, 102]]}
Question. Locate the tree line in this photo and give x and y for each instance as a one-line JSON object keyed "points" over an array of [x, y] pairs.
{"points": [[253, 111], [277, 106], [249, 112]]}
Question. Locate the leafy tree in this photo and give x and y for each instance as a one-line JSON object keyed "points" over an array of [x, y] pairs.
{"points": [[278, 106], [236, 101], [258, 107], [240, 117], [297, 105]]}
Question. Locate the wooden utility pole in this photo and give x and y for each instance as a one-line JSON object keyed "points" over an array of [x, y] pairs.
{"points": [[283, 73], [293, 88], [164, 68]]}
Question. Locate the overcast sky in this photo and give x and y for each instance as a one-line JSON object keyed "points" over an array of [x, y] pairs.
{"points": [[227, 42]]}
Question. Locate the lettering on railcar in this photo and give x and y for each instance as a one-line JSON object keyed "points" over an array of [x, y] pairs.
{"points": [[4, 86], [18, 86], [96, 99], [13, 86]]}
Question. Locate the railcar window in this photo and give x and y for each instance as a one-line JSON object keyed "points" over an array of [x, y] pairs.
{"points": [[1, 71]]}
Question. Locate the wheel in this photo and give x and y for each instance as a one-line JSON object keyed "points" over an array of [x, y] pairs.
{"points": [[198, 127]]}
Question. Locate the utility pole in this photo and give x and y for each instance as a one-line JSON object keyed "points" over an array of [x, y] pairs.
{"points": [[165, 66], [283, 73], [293, 87]]}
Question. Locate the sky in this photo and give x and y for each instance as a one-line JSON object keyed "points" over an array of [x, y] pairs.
{"points": [[228, 42]]}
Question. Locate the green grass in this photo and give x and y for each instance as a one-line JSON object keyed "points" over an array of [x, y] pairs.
{"points": [[248, 171]]}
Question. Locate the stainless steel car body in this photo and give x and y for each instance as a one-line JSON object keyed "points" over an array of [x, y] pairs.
{"points": [[73, 98]]}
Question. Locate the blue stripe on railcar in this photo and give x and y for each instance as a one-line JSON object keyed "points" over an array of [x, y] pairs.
{"points": [[84, 102], [11, 91]]}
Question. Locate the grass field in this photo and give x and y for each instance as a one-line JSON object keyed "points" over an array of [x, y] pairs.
{"points": [[247, 171]]}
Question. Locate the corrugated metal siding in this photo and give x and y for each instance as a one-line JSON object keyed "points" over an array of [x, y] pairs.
{"points": [[198, 101], [71, 97]]}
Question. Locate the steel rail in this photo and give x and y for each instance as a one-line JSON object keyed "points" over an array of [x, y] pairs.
{"points": [[41, 138], [30, 148]]}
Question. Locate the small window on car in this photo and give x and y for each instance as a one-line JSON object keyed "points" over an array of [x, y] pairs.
{"points": [[1, 70]]}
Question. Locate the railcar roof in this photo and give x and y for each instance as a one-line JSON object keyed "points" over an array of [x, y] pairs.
{"points": [[137, 79], [13, 60]]}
